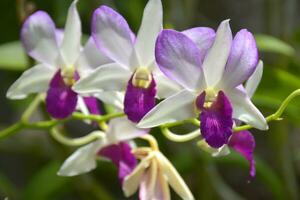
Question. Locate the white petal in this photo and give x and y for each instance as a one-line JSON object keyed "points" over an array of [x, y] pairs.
{"points": [[178, 107], [121, 129], [162, 190], [148, 182], [166, 87], [174, 179], [82, 160], [113, 35], [216, 58], [254, 79], [107, 77], [112, 98], [149, 30], [132, 181], [222, 151], [244, 110], [39, 39], [33, 80], [72, 36], [91, 57]]}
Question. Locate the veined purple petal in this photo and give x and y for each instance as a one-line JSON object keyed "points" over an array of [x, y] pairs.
{"points": [[139, 101], [202, 36], [244, 143], [216, 120], [242, 59], [39, 39], [120, 154], [179, 58], [113, 35], [61, 100], [92, 105]]}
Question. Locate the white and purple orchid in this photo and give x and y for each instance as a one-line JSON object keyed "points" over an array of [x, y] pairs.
{"points": [[134, 70], [211, 71], [243, 142], [114, 145], [61, 62]]}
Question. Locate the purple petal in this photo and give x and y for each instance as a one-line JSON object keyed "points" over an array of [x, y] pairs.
{"points": [[179, 58], [242, 60], [61, 100], [139, 101], [216, 120], [92, 105], [202, 36], [39, 39], [120, 154], [112, 35], [244, 143]]}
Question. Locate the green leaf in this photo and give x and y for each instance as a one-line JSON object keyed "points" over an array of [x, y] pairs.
{"points": [[45, 184], [271, 44], [13, 56]]}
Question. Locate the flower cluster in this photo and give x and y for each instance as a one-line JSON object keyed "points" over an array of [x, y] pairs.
{"points": [[201, 76]]}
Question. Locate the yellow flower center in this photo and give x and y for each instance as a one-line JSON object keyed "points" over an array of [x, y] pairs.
{"points": [[68, 73], [142, 78], [210, 96]]}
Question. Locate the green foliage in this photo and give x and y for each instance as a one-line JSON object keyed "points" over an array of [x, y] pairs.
{"points": [[272, 44], [13, 56]]}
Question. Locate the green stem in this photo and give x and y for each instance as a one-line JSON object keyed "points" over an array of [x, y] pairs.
{"points": [[274, 116], [178, 123], [46, 125], [98, 118], [77, 141], [31, 108], [180, 138]]}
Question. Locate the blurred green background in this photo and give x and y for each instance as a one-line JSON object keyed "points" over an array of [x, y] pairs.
{"points": [[29, 160]]}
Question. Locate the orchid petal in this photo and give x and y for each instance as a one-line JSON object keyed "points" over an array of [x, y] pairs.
{"points": [[61, 100], [33, 80], [174, 179], [72, 36], [39, 39], [149, 30], [162, 190], [175, 108], [139, 101], [244, 143], [112, 98], [244, 110], [215, 152], [148, 181], [107, 77], [242, 59], [121, 129], [180, 59], [113, 35], [202, 36], [216, 58], [82, 160], [216, 120], [165, 86], [120, 154], [132, 181], [253, 81], [90, 57]]}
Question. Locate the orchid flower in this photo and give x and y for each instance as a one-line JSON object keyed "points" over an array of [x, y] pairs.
{"points": [[114, 145], [134, 70], [211, 72], [61, 62], [152, 176], [243, 142]]}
